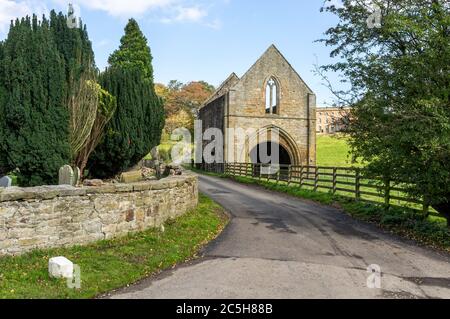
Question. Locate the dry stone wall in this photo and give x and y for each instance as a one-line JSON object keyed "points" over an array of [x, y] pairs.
{"points": [[55, 216]]}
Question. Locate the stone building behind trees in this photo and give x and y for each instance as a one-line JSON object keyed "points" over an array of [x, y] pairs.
{"points": [[331, 120]]}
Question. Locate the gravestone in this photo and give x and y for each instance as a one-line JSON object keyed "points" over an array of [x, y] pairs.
{"points": [[155, 153], [131, 177], [76, 176], [66, 175], [5, 181]]}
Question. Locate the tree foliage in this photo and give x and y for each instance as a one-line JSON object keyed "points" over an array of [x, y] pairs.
{"points": [[182, 102], [50, 103], [399, 78], [34, 117], [134, 51], [139, 119]]}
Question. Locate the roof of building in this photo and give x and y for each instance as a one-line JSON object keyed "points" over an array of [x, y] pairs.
{"points": [[233, 79], [223, 88], [331, 109]]}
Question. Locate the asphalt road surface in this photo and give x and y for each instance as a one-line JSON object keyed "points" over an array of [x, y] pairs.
{"points": [[277, 246]]}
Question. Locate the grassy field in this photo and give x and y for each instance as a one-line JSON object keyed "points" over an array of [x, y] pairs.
{"points": [[333, 150], [112, 264]]}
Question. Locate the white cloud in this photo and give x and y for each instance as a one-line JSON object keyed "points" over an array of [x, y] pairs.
{"points": [[123, 8], [172, 11], [193, 14], [186, 14], [10, 10]]}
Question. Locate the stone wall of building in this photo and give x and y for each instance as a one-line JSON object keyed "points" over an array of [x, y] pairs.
{"points": [[242, 104], [296, 114], [55, 216]]}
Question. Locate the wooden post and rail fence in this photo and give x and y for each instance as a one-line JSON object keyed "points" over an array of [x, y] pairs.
{"points": [[344, 181]]}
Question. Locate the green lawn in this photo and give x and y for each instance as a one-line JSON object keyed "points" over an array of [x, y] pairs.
{"points": [[333, 150], [112, 264]]}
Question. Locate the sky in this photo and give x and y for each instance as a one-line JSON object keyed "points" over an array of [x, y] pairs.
{"points": [[193, 40]]}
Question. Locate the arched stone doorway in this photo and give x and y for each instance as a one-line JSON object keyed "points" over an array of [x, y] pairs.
{"points": [[264, 139], [259, 153]]}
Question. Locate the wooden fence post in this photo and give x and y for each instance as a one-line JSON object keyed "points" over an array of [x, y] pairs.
{"points": [[358, 185], [301, 176], [334, 180], [426, 207], [316, 179], [289, 175], [387, 193]]}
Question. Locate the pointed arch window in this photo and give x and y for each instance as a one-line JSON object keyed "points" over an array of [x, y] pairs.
{"points": [[272, 96]]}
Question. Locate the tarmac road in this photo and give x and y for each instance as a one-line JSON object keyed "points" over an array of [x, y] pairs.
{"points": [[277, 246]]}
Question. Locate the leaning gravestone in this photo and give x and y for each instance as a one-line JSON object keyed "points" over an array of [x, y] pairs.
{"points": [[5, 181], [76, 176], [66, 175]]}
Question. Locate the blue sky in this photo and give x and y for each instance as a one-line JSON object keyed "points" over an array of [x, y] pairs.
{"points": [[202, 39]]}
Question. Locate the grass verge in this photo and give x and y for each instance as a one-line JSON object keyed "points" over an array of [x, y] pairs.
{"points": [[108, 265], [431, 231]]}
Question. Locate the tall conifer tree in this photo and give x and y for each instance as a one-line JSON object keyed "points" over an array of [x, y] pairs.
{"points": [[139, 119], [35, 117]]}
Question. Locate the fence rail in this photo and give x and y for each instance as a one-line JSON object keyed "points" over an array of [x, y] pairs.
{"points": [[344, 181]]}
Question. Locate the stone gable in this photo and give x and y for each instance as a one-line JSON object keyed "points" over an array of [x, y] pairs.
{"points": [[241, 103]]}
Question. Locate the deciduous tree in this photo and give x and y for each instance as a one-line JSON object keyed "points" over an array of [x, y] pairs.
{"points": [[399, 78]]}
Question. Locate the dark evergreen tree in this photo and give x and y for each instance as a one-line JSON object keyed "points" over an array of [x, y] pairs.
{"points": [[133, 51], [139, 119], [74, 46], [34, 115], [136, 125], [4, 166]]}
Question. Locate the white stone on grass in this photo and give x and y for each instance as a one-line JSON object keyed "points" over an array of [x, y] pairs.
{"points": [[60, 267]]}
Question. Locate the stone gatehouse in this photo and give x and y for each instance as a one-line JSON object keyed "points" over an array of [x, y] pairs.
{"points": [[270, 96]]}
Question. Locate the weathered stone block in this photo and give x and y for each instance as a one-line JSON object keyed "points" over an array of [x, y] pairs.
{"points": [[131, 177], [139, 187], [129, 215], [60, 267], [105, 189], [123, 188]]}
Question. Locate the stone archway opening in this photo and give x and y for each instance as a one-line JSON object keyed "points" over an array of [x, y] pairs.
{"points": [[261, 151], [279, 164]]}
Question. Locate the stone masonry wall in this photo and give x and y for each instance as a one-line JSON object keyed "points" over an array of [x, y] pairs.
{"points": [[241, 104], [296, 103], [55, 216]]}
